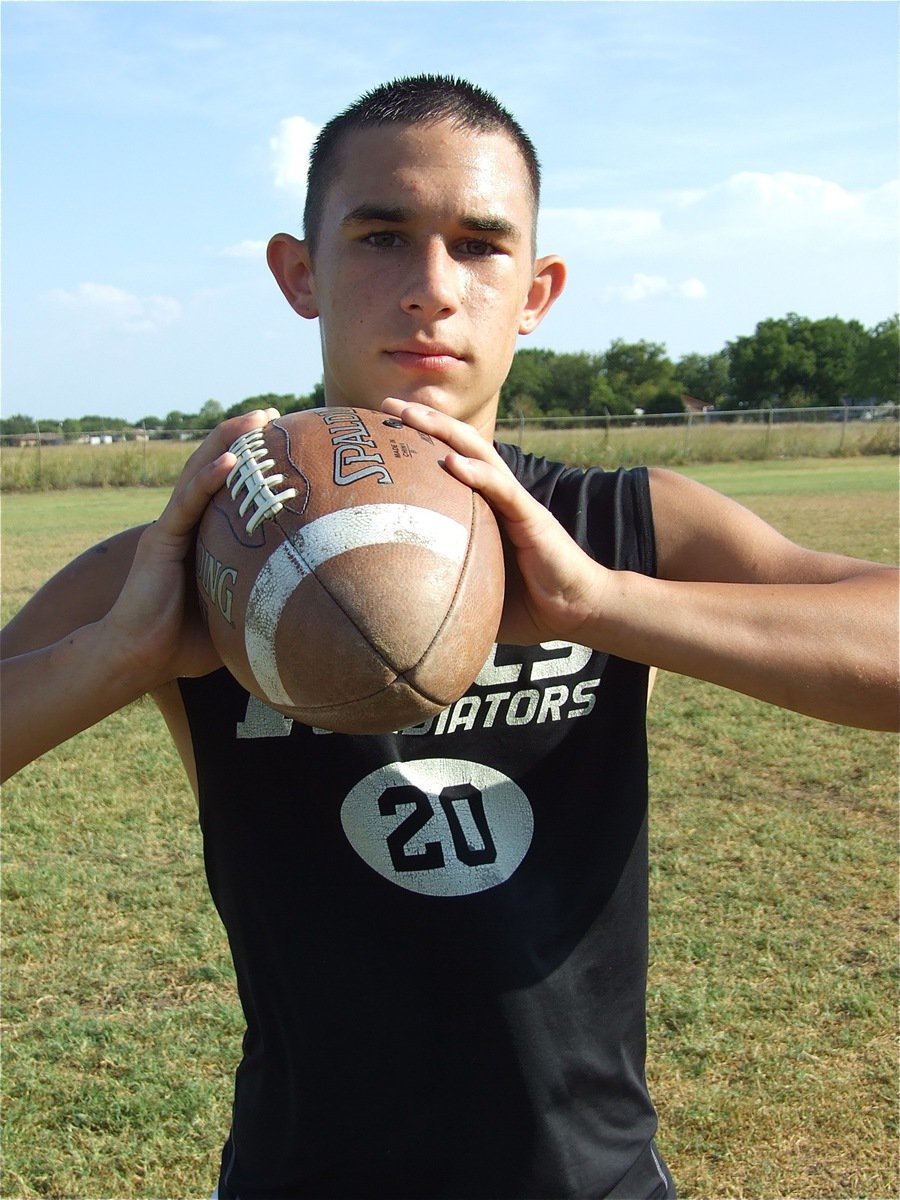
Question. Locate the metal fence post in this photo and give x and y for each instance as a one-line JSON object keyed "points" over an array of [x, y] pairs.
{"points": [[689, 424]]}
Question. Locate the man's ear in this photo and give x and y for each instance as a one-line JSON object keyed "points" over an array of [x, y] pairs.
{"points": [[549, 280], [289, 262]]}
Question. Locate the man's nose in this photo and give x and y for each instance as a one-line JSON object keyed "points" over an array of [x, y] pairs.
{"points": [[433, 287]]}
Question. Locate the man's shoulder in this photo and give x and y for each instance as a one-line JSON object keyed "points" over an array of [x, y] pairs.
{"points": [[533, 470], [607, 512]]}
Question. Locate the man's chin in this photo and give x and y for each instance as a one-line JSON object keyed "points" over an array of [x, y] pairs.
{"points": [[480, 415], [431, 397], [439, 398]]}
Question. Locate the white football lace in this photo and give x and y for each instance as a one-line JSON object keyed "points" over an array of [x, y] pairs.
{"points": [[250, 472]]}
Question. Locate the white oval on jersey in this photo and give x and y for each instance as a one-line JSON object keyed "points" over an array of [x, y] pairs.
{"points": [[439, 826]]}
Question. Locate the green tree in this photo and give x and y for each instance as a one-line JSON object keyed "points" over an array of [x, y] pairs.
{"points": [[793, 361], [18, 423], [92, 422], [638, 372], [835, 345], [602, 399], [570, 382], [269, 400], [527, 388], [774, 365], [665, 402], [704, 376], [210, 415], [315, 399], [876, 372], [521, 405], [175, 422]]}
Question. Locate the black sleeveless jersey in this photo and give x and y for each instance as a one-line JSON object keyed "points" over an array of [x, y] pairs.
{"points": [[440, 935]]}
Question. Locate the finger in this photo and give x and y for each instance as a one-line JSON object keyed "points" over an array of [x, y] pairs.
{"points": [[206, 471], [498, 487], [189, 500], [523, 517], [462, 437], [225, 434], [471, 459]]}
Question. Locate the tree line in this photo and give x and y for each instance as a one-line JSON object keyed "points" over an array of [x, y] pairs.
{"points": [[789, 362]]}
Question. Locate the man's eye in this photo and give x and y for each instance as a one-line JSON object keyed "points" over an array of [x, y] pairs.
{"points": [[477, 248], [384, 239]]}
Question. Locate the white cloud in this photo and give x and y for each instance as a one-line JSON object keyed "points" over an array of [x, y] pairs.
{"points": [[246, 249], [120, 309], [692, 289], [642, 287], [754, 203], [645, 287], [290, 154], [595, 227], [787, 210]]}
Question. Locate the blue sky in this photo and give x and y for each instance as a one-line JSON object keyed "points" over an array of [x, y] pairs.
{"points": [[707, 165]]}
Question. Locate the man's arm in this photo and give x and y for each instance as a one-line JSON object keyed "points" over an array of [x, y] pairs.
{"points": [[744, 607], [118, 622], [81, 593], [734, 603]]}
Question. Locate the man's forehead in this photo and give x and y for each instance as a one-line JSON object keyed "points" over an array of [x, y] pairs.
{"points": [[427, 134], [470, 162]]}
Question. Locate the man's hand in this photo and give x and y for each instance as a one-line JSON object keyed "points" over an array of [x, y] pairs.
{"points": [[115, 625], [156, 621], [552, 586]]}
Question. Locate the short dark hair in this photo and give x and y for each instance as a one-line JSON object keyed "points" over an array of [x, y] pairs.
{"points": [[413, 100]]}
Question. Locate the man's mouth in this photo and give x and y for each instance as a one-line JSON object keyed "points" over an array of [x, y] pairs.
{"points": [[424, 356]]}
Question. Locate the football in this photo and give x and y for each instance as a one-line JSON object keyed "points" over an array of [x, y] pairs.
{"points": [[347, 580]]}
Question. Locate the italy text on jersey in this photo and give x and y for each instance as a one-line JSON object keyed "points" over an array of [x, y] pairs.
{"points": [[513, 688]]}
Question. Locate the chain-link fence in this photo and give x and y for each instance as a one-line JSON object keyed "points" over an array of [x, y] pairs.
{"points": [[49, 457]]}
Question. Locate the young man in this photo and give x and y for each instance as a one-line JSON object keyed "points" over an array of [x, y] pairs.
{"points": [[417, 1026]]}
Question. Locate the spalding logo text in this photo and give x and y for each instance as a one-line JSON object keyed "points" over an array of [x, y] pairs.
{"points": [[350, 439]]}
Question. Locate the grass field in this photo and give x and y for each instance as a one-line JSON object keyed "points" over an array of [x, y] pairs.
{"points": [[773, 986]]}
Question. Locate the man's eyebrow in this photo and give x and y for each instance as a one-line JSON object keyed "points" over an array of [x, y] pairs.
{"points": [[490, 223], [364, 214]]}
